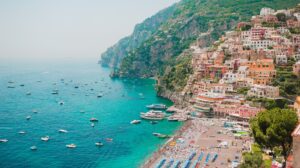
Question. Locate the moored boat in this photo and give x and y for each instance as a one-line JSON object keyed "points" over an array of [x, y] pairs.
{"points": [[157, 106], [28, 117], [99, 144], [153, 115], [33, 148]]}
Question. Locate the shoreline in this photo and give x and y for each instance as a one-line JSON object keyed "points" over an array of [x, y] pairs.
{"points": [[150, 160]]}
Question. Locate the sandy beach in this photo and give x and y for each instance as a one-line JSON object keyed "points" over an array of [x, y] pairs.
{"points": [[207, 140]]}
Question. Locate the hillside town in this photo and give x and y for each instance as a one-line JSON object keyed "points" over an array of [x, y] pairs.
{"points": [[243, 64], [233, 78]]}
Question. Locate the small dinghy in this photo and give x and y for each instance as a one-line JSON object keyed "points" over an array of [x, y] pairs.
{"points": [[71, 146], [135, 122], [33, 148], [28, 117], [94, 120], [62, 131], [99, 144], [46, 138], [22, 132]]}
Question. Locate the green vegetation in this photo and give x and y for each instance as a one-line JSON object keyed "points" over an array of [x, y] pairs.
{"points": [[269, 103], [288, 83], [272, 129], [295, 30], [252, 159], [177, 74], [243, 90]]}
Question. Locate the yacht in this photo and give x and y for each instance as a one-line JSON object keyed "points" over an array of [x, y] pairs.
{"points": [[3, 140], [153, 115], [71, 146], [99, 144], [33, 148], [62, 131], [157, 106], [46, 138], [135, 122], [94, 120], [28, 117]]}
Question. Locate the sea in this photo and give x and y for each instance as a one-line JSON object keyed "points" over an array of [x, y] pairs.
{"points": [[121, 102]]}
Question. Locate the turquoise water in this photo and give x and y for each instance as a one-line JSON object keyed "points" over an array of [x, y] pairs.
{"points": [[131, 144]]}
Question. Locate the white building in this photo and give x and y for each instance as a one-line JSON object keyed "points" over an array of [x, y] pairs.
{"points": [[281, 59], [266, 11]]}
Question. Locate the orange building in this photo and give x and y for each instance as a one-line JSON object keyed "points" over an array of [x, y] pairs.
{"points": [[262, 71]]}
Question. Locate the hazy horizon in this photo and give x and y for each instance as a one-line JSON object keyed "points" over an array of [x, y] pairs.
{"points": [[36, 30]]}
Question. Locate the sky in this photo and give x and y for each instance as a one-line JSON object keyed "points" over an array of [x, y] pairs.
{"points": [[74, 29]]}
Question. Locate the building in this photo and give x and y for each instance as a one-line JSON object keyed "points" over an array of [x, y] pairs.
{"points": [[205, 102], [296, 147], [263, 91], [261, 71], [297, 106], [266, 11], [296, 69], [281, 59], [215, 71]]}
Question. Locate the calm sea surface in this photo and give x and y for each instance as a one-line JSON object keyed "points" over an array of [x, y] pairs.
{"points": [[120, 104]]}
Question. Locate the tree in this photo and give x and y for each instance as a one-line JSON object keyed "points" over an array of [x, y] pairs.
{"points": [[273, 128], [281, 17], [252, 159]]}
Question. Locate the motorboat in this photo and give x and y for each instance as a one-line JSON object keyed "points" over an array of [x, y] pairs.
{"points": [[109, 139], [46, 138], [157, 106], [159, 135], [28, 93], [153, 115], [153, 122], [94, 120], [62, 131], [28, 117], [76, 87], [34, 111], [71, 146], [22, 132], [100, 95], [92, 125], [22, 85], [3, 140], [33, 148], [135, 122], [99, 144]]}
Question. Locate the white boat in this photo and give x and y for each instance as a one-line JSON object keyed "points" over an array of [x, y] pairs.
{"points": [[82, 111], [92, 125], [28, 117], [153, 115], [22, 132], [46, 138], [3, 140], [34, 111], [33, 148], [28, 93], [62, 131], [157, 106], [135, 122], [71, 146], [94, 120], [99, 144]]}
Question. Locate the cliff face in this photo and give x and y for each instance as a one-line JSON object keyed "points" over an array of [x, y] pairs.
{"points": [[113, 56]]}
